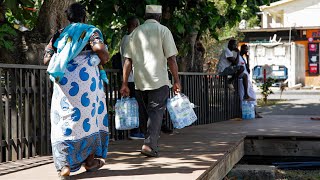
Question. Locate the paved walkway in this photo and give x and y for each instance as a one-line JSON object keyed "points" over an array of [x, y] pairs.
{"points": [[185, 155], [191, 152]]}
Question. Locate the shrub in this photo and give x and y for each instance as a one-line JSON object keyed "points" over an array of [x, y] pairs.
{"points": [[266, 91]]}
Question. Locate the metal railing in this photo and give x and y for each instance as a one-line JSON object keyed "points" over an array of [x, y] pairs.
{"points": [[26, 99], [24, 111]]}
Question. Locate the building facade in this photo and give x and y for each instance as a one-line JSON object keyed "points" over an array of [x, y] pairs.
{"points": [[296, 22]]}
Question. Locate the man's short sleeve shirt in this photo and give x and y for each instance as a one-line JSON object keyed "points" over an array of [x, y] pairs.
{"points": [[124, 42], [223, 61], [150, 45]]}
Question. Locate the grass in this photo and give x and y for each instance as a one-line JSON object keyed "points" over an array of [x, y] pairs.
{"points": [[270, 102], [297, 174]]}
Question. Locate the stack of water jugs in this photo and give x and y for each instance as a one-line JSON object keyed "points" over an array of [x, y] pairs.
{"points": [[181, 111], [248, 110], [127, 114]]}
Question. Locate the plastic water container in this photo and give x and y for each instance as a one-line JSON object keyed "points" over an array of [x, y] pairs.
{"points": [[127, 114], [248, 110], [181, 111]]}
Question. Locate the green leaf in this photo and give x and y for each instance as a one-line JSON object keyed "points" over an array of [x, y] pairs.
{"points": [[28, 3], [215, 35], [240, 2], [151, 1], [9, 45], [180, 28], [11, 4]]}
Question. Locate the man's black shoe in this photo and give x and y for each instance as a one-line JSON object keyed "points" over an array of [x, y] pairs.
{"points": [[166, 130]]}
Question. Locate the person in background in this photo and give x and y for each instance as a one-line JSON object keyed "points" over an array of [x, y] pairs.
{"points": [[245, 56], [132, 23], [79, 119], [229, 65], [244, 52], [150, 51]]}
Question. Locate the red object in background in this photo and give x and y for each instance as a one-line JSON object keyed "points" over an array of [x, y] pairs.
{"points": [[30, 9], [313, 47], [313, 68]]}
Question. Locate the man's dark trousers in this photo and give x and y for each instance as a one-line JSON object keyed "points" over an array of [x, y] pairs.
{"points": [[152, 105]]}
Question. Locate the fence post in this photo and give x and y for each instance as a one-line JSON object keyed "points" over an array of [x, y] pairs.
{"points": [[47, 113], [27, 144], [41, 118], [20, 114], [7, 126], [226, 101], [14, 126], [1, 116], [34, 113]]}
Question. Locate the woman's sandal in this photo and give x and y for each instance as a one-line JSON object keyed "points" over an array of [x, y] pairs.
{"points": [[97, 165], [64, 173], [64, 177]]}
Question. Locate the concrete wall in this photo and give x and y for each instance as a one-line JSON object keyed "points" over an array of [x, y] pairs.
{"points": [[297, 13]]}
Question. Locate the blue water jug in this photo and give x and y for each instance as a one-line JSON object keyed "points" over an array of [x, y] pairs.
{"points": [[248, 110], [127, 114], [181, 111]]}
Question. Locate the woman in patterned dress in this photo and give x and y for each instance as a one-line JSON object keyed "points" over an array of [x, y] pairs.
{"points": [[79, 119]]}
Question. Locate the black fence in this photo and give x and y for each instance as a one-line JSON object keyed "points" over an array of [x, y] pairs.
{"points": [[26, 99]]}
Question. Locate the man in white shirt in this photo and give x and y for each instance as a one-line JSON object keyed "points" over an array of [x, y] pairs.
{"points": [[132, 23], [229, 65], [150, 51], [228, 58]]}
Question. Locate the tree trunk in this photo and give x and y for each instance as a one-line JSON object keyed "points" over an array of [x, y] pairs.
{"points": [[52, 17], [199, 52], [194, 60], [186, 63], [191, 39], [30, 44]]}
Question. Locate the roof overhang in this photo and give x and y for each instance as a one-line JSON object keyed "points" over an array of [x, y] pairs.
{"points": [[278, 29], [275, 4]]}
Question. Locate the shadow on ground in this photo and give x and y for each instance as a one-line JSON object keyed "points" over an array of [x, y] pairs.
{"points": [[291, 107], [178, 155]]}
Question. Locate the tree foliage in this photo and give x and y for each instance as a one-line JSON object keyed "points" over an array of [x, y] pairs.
{"points": [[189, 20], [24, 12], [183, 17], [6, 31]]}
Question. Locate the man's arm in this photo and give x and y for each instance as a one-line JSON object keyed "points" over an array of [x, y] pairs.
{"points": [[234, 60], [172, 63], [127, 67], [102, 53], [247, 64]]}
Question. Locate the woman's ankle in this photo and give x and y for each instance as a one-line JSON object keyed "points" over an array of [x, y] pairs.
{"points": [[90, 160]]}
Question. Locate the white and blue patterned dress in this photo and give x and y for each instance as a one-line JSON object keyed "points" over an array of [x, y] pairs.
{"points": [[79, 119]]}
